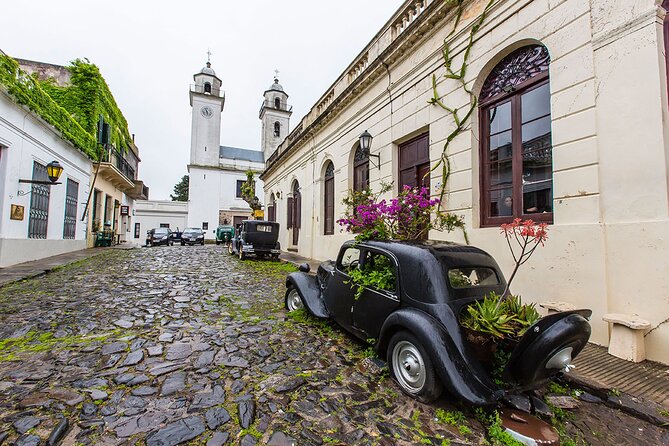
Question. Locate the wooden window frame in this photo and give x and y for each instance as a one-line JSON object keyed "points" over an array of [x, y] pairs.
{"points": [[514, 97], [328, 200]]}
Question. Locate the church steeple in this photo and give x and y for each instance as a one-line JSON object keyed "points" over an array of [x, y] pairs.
{"points": [[275, 116], [207, 100]]}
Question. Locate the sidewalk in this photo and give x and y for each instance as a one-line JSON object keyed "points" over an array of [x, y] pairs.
{"points": [[39, 267]]}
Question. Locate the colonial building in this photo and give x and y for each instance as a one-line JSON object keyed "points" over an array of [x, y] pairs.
{"points": [[561, 118], [40, 218]]}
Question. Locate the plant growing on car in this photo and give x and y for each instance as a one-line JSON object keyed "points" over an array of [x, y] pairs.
{"points": [[378, 274], [409, 216]]}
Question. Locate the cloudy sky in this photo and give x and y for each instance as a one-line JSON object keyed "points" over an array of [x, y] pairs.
{"points": [[149, 50]]}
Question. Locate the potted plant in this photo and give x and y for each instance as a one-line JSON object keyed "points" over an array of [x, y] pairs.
{"points": [[499, 321]]}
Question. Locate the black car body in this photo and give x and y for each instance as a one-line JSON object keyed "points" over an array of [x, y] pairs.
{"points": [[416, 325], [159, 236], [256, 237], [192, 236]]}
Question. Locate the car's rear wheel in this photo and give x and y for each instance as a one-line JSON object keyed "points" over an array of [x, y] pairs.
{"points": [[412, 368], [218, 242], [293, 300], [202, 243], [230, 251], [183, 243]]}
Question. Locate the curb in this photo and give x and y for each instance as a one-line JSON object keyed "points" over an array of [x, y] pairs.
{"points": [[638, 407]]}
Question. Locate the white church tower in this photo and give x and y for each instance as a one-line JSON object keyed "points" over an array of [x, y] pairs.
{"points": [[275, 116], [207, 100]]}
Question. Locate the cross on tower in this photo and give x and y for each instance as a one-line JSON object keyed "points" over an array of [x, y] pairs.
{"points": [[276, 74], [209, 53]]}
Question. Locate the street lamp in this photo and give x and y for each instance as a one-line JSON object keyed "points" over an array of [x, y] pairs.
{"points": [[53, 171], [365, 146]]}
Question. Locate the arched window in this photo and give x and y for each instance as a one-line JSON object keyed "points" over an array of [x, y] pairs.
{"points": [[516, 149], [328, 199], [277, 129], [360, 170], [277, 103], [207, 87]]}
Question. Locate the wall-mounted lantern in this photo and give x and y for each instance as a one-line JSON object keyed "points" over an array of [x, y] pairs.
{"points": [[365, 146], [53, 171]]}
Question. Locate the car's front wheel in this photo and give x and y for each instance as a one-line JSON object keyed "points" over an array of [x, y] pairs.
{"points": [[183, 243], [293, 300], [412, 368], [230, 251], [242, 256]]}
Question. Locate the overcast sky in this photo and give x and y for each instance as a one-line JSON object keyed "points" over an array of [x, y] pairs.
{"points": [[148, 52]]}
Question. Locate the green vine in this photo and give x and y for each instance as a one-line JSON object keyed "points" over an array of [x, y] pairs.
{"points": [[458, 75], [25, 90], [74, 110], [249, 192]]}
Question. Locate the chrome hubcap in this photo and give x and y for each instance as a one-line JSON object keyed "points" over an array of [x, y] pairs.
{"points": [[294, 301], [409, 366]]}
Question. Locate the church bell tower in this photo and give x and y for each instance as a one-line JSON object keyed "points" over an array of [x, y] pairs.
{"points": [[275, 116], [207, 100]]}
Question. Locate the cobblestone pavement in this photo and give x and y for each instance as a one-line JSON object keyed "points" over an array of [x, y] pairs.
{"points": [[171, 345]]}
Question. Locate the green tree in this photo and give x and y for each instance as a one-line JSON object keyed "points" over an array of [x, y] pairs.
{"points": [[249, 192], [181, 190]]}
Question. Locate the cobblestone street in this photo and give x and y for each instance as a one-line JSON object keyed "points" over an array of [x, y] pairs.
{"points": [[170, 345]]}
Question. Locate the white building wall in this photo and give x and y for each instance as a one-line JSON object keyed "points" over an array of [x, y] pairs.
{"points": [[152, 213], [26, 138], [607, 249]]}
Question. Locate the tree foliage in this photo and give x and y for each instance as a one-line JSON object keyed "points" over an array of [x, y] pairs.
{"points": [[181, 190], [249, 192]]}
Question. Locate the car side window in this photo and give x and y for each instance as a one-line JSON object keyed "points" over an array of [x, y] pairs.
{"points": [[378, 271], [349, 259]]}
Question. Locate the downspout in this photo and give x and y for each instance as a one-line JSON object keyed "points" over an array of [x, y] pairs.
{"points": [[313, 196], [390, 101]]}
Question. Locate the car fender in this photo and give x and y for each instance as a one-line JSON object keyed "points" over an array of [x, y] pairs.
{"points": [[462, 379], [308, 289]]}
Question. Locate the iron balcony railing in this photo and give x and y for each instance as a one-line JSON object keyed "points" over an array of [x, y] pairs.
{"points": [[114, 157], [195, 88], [271, 104]]}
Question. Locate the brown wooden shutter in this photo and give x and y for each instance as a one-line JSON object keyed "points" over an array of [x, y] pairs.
{"points": [[289, 223], [329, 206]]}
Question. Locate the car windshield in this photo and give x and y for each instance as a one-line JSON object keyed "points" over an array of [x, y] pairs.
{"points": [[160, 231], [192, 231]]}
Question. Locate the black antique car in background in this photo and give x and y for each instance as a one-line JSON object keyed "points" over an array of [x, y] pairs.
{"points": [[415, 321], [159, 236], [256, 237]]}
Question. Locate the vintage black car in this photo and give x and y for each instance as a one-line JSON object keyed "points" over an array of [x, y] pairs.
{"points": [[415, 321], [192, 236], [159, 236], [256, 237]]}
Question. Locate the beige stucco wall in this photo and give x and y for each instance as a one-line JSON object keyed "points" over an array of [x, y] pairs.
{"points": [[607, 249]]}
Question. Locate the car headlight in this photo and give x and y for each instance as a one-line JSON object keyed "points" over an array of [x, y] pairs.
{"points": [[164, 237]]}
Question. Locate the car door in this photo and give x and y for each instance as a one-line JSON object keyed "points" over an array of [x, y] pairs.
{"points": [[374, 305], [339, 292]]}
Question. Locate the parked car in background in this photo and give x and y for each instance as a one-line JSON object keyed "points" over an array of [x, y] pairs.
{"points": [[258, 238], [192, 236], [159, 236], [414, 320], [224, 234]]}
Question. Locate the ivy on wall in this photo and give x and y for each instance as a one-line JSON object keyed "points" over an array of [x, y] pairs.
{"points": [[461, 116], [74, 110]]}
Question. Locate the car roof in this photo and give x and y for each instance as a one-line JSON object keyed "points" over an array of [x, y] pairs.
{"points": [[422, 262]]}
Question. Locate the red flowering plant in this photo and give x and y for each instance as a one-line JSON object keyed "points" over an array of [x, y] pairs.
{"points": [[505, 316]]}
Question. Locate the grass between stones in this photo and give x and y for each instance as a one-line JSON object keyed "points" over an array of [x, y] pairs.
{"points": [[11, 349]]}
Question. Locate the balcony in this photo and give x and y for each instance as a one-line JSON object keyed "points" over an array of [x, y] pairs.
{"points": [[140, 192], [272, 106], [116, 169], [194, 88]]}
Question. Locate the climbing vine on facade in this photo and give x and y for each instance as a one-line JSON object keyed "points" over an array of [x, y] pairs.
{"points": [[74, 110], [461, 116]]}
